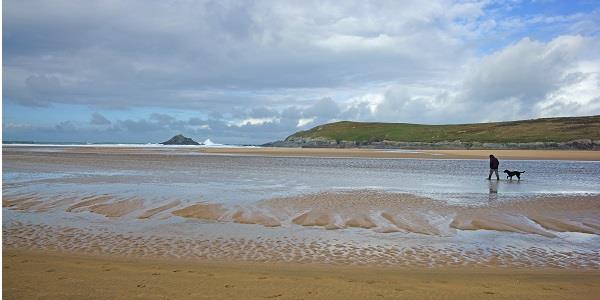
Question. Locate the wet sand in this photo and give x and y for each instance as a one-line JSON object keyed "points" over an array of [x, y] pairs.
{"points": [[431, 154], [333, 228], [370, 153], [50, 275], [102, 222], [377, 211]]}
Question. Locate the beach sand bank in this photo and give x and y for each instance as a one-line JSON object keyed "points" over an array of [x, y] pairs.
{"points": [[52, 275], [428, 154], [367, 153]]}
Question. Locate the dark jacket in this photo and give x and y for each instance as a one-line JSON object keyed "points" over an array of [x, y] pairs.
{"points": [[494, 163]]}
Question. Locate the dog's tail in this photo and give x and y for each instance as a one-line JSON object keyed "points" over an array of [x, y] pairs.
{"points": [[522, 171]]}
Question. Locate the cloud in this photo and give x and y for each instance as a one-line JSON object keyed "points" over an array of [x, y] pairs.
{"points": [[526, 79], [65, 126], [42, 84], [151, 56], [162, 118], [255, 71], [323, 108], [98, 119]]}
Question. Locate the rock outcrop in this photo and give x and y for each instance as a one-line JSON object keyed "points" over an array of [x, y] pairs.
{"points": [[180, 140], [299, 142]]}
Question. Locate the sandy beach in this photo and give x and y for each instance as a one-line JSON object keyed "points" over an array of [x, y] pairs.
{"points": [[260, 223], [428, 154], [372, 153], [49, 275]]}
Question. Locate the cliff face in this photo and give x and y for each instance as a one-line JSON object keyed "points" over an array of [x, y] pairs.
{"points": [[577, 133], [180, 140]]}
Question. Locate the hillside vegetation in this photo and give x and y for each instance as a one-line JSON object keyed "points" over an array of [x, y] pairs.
{"points": [[526, 131]]}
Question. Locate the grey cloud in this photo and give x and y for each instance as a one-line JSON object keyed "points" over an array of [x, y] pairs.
{"points": [[196, 121], [44, 85], [107, 53], [65, 126], [98, 119], [513, 82], [262, 112], [527, 70], [162, 118], [323, 108], [135, 126]]}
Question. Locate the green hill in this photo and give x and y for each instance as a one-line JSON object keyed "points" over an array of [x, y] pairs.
{"points": [[547, 130]]}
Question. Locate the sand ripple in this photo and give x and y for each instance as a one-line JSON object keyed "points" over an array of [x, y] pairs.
{"points": [[45, 237], [377, 211]]}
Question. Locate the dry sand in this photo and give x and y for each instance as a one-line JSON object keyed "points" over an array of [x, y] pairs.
{"points": [[434, 154], [48, 275], [355, 152]]}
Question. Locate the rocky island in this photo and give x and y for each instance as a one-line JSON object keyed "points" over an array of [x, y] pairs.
{"points": [[572, 133], [180, 140]]}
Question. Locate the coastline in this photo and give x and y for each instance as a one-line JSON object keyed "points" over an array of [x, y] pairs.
{"points": [[55, 275], [576, 155], [582, 155]]}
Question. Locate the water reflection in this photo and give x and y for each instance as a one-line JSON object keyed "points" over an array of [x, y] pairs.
{"points": [[234, 180], [493, 190]]}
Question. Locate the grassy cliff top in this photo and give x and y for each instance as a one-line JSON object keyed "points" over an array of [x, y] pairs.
{"points": [[537, 130]]}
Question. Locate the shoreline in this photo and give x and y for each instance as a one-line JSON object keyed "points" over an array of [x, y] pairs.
{"points": [[575, 155], [414, 154], [53, 275]]}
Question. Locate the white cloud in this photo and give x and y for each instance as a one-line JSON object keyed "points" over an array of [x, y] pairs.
{"points": [[340, 43], [252, 121], [16, 126], [523, 80], [305, 121]]}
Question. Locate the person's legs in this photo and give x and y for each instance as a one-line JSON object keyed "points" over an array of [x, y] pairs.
{"points": [[490, 176], [496, 171]]}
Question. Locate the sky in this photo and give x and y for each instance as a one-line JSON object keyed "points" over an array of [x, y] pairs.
{"points": [[250, 72]]}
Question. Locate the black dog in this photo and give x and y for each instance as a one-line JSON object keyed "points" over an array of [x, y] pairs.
{"points": [[513, 173]]}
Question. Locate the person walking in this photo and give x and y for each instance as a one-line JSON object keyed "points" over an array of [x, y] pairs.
{"points": [[494, 163]]}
